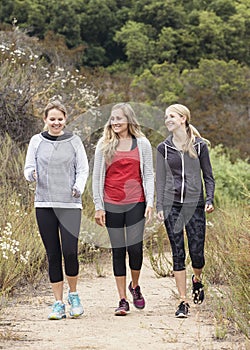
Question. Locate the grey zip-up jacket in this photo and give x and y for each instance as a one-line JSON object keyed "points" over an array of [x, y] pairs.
{"points": [[61, 166], [146, 166], [178, 176]]}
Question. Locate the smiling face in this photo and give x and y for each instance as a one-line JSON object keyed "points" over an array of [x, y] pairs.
{"points": [[119, 122], [174, 120], [55, 122]]}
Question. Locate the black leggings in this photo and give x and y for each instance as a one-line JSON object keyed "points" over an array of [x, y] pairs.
{"points": [[125, 224], [50, 221], [193, 218]]}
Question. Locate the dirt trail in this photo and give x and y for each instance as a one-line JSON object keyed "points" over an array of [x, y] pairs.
{"points": [[155, 327]]}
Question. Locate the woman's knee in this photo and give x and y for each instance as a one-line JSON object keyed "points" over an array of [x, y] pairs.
{"points": [[71, 264]]}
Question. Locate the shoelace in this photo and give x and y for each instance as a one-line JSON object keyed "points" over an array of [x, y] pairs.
{"points": [[183, 306], [75, 301], [122, 303], [137, 293], [57, 307]]}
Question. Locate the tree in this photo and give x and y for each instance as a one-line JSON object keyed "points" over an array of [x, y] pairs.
{"points": [[138, 46], [159, 13], [161, 85], [218, 92]]}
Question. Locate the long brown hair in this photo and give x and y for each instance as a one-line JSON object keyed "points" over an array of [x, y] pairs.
{"points": [[110, 139]]}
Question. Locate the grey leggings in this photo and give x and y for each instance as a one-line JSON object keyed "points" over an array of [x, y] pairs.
{"points": [[193, 219]]}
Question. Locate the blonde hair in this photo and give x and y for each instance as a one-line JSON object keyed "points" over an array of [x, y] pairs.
{"points": [[192, 132], [55, 104], [110, 139]]}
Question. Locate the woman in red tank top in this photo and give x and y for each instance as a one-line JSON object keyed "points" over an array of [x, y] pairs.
{"points": [[123, 190]]}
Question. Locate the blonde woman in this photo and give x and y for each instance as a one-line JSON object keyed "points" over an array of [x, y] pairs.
{"points": [[57, 161], [123, 192], [181, 159]]}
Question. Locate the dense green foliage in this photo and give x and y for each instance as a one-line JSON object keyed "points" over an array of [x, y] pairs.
{"points": [[143, 32], [155, 52]]}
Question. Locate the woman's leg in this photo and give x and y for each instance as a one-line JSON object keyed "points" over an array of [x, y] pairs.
{"points": [[135, 223], [70, 220], [174, 223], [115, 227], [196, 229], [48, 227]]}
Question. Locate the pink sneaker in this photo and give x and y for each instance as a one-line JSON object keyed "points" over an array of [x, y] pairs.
{"points": [[138, 300]]}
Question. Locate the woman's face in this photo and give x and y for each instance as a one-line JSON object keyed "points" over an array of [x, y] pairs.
{"points": [[55, 122], [118, 121], [173, 120]]}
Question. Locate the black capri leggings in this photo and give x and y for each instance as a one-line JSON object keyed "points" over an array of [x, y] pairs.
{"points": [[193, 218], [50, 222], [125, 225]]}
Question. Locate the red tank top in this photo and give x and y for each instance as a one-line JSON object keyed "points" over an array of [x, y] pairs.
{"points": [[123, 182]]}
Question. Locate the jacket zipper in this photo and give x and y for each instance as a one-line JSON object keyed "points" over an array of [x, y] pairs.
{"points": [[182, 176]]}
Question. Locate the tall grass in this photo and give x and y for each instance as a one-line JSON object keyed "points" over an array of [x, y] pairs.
{"points": [[22, 256], [227, 265]]}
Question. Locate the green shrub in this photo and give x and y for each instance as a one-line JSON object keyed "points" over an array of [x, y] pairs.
{"points": [[232, 180]]}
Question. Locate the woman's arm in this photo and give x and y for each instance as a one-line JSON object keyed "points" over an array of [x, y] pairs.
{"points": [[207, 174], [97, 178], [160, 180], [148, 172], [30, 160], [82, 168]]}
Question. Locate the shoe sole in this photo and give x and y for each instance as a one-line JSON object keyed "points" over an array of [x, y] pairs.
{"points": [[121, 313], [56, 318], [197, 296], [181, 316], [75, 315], [139, 307]]}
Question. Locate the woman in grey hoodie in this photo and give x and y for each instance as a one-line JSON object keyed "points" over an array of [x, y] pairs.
{"points": [[181, 159], [57, 161]]}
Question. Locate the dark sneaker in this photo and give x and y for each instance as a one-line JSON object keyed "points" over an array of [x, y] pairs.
{"points": [[123, 308], [197, 291], [138, 300], [182, 311]]}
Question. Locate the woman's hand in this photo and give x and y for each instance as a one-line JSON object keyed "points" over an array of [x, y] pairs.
{"points": [[160, 215], [76, 193], [148, 214], [209, 208], [100, 217]]}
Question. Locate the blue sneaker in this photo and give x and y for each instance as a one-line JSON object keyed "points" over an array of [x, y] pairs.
{"points": [[76, 309], [58, 311]]}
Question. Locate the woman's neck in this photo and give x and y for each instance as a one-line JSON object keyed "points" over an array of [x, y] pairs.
{"points": [[179, 139], [124, 136]]}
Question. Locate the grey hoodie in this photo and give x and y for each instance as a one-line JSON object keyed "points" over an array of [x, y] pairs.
{"points": [[178, 176], [61, 166]]}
